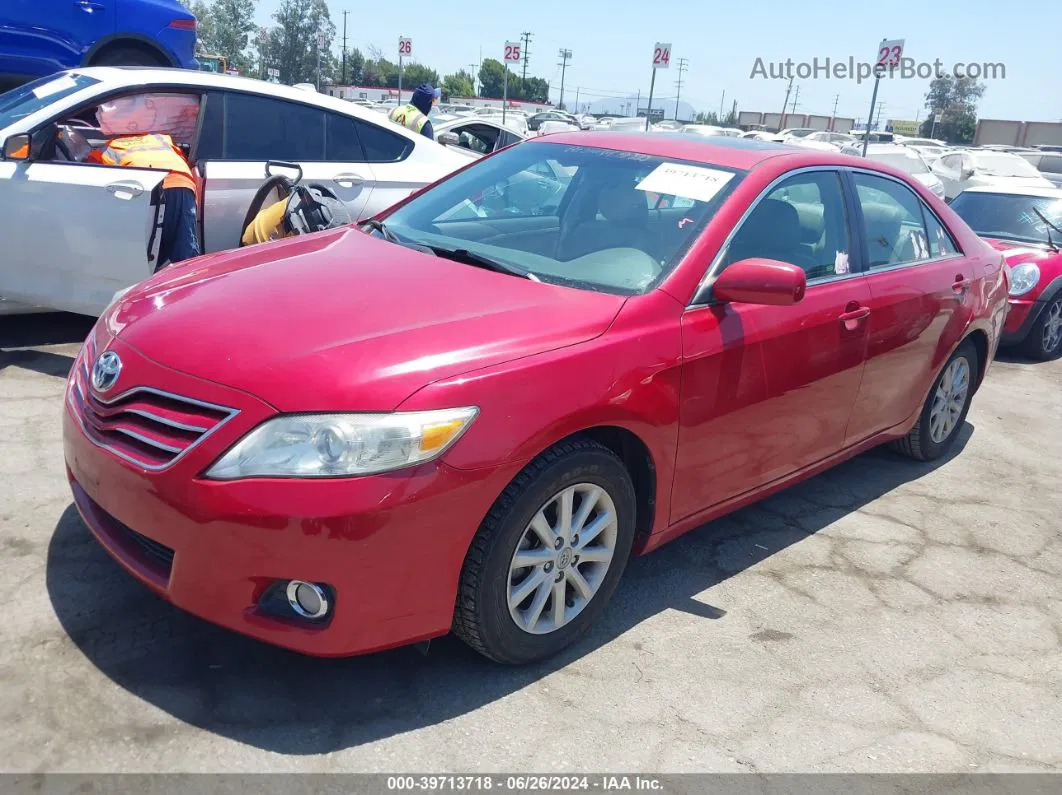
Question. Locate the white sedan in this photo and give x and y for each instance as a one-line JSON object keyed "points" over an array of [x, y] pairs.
{"points": [[903, 158], [75, 232], [476, 136], [974, 168]]}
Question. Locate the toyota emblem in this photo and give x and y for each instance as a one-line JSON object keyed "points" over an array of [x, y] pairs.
{"points": [[105, 371]]}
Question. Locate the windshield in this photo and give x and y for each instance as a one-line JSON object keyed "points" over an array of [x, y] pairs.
{"points": [[1009, 217], [1001, 164], [905, 161], [800, 133], [25, 100], [584, 217]]}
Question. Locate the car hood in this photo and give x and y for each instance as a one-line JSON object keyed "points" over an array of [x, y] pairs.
{"points": [[342, 320], [1016, 253], [1024, 182]]}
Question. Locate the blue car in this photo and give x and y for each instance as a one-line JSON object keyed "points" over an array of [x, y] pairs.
{"points": [[39, 37]]}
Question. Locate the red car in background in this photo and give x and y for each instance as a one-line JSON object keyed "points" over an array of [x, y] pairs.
{"points": [[467, 414], [1026, 225]]}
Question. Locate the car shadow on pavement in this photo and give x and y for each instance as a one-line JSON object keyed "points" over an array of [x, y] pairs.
{"points": [[19, 334], [284, 702]]}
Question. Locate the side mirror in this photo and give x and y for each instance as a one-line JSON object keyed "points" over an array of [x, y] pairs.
{"points": [[760, 281], [449, 139], [967, 173], [17, 147]]}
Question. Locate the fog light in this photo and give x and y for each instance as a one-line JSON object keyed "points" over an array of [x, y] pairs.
{"points": [[307, 599]]}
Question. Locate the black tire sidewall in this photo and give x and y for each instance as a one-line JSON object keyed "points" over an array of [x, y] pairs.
{"points": [[1035, 343], [127, 56], [498, 629], [930, 448]]}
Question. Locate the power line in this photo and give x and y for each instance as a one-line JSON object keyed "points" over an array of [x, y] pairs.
{"points": [[678, 83]]}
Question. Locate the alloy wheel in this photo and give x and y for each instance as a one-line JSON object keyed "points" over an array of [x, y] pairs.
{"points": [[1052, 335], [949, 399], [562, 558]]}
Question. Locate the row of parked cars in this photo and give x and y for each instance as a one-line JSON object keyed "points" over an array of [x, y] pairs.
{"points": [[353, 440]]}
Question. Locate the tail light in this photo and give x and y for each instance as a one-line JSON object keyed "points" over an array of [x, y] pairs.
{"points": [[184, 23]]}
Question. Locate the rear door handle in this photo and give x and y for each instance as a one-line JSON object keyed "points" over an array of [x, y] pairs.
{"points": [[125, 190], [855, 314], [348, 179]]}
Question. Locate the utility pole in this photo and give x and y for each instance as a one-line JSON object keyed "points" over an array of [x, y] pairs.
{"points": [[833, 118], [638, 103], [878, 115], [678, 83], [577, 99], [796, 99], [722, 99], [344, 78], [474, 69], [565, 55], [781, 122], [320, 44], [526, 36]]}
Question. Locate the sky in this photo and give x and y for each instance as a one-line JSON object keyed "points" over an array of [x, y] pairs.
{"points": [[612, 44]]}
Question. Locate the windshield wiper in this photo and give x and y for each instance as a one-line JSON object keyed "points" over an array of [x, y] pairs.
{"points": [[1048, 228], [381, 227], [480, 261]]}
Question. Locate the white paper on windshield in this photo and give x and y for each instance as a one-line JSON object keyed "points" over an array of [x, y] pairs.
{"points": [[691, 182], [54, 87]]}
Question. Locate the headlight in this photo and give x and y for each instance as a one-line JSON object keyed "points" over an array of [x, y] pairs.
{"points": [[1023, 278], [342, 445]]}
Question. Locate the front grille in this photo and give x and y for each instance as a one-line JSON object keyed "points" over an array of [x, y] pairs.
{"points": [[151, 557], [153, 549], [145, 426]]}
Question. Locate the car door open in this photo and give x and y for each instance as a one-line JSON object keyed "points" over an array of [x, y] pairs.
{"points": [[74, 233]]}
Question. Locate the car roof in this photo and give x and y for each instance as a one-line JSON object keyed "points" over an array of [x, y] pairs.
{"points": [[721, 150], [146, 76], [1037, 192], [886, 149]]}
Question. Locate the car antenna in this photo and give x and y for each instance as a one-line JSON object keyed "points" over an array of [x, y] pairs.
{"points": [[1048, 228]]}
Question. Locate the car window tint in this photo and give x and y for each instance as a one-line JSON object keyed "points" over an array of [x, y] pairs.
{"points": [[261, 128], [1051, 164], [892, 222], [342, 144], [382, 146], [211, 144], [802, 222], [941, 243]]}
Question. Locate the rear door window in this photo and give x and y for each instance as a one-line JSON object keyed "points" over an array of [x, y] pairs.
{"points": [[250, 127], [382, 146], [892, 222]]}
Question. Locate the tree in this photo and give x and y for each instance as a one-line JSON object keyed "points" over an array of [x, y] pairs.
{"points": [[535, 89], [206, 37], [955, 99], [491, 78], [355, 64], [459, 84], [233, 22], [379, 72], [296, 48], [413, 74]]}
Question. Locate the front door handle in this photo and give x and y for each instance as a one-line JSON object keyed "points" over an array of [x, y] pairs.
{"points": [[348, 180], [125, 190], [855, 315]]}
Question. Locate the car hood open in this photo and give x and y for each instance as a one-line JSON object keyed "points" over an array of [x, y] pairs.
{"points": [[343, 321]]}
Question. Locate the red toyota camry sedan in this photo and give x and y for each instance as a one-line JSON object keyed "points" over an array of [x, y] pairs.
{"points": [[467, 413]]}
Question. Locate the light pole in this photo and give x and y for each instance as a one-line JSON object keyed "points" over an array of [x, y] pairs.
{"points": [[565, 55]]}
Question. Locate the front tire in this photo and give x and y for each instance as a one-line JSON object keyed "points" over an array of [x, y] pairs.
{"points": [[548, 557], [945, 409], [1044, 341]]}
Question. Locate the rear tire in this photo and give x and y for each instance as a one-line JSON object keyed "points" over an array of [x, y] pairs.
{"points": [[128, 56], [496, 592], [1044, 341], [945, 409]]}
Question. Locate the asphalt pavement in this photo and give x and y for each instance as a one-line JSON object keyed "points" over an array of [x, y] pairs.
{"points": [[886, 616]]}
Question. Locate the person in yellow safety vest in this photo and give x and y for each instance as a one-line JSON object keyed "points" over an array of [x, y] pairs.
{"points": [[180, 238], [414, 116]]}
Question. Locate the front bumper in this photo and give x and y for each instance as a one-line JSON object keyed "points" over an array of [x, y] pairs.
{"points": [[1021, 314], [391, 546]]}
